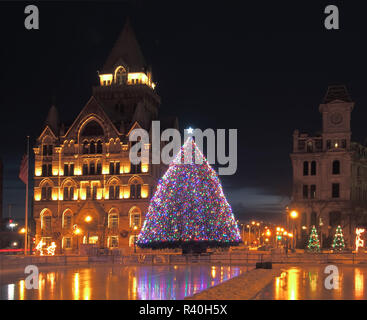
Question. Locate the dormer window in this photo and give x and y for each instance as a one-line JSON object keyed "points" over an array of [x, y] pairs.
{"points": [[120, 75]]}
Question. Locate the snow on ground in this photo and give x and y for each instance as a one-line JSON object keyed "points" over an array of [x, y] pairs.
{"points": [[243, 287]]}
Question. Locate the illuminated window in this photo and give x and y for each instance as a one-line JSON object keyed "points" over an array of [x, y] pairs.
{"points": [[113, 220], [132, 240], [67, 243], [46, 222], [121, 76], [135, 217], [67, 220], [113, 242]]}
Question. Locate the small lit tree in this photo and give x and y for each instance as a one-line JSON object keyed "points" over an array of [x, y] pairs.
{"points": [[313, 242], [338, 243]]}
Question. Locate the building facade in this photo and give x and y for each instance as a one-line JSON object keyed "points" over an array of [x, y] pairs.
{"points": [[329, 174], [85, 188]]}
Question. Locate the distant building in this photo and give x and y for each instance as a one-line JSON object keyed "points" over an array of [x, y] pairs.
{"points": [[330, 173], [1, 190], [85, 188]]}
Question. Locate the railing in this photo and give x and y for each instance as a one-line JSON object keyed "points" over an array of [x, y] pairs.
{"points": [[12, 262]]}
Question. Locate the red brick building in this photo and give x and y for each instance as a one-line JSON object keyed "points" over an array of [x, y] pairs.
{"points": [[85, 188]]}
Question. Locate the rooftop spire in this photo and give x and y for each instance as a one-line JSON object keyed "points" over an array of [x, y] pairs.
{"points": [[126, 50], [337, 92], [52, 119]]}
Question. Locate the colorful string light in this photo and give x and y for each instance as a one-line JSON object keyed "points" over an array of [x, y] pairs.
{"points": [[189, 206]]}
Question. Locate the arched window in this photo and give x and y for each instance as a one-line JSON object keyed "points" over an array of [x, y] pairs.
{"points": [[336, 167], [92, 147], [68, 189], [92, 129], [135, 188], [67, 219], [113, 242], [113, 220], [46, 191], [135, 217], [46, 221], [305, 168], [120, 76], [99, 146], [92, 168], [313, 168], [114, 189], [132, 240]]}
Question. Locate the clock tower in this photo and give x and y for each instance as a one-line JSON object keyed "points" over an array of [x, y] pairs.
{"points": [[336, 114]]}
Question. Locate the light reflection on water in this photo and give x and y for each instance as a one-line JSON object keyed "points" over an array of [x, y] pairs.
{"points": [[133, 282], [308, 283]]}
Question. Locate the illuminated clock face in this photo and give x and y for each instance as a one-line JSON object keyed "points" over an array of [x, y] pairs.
{"points": [[336, 118]]}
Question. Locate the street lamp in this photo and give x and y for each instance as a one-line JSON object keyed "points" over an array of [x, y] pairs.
{"points": [[135, 228], [293, 215], [77, 231], [88, 219]]}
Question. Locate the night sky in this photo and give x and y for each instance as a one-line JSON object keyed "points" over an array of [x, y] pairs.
{"points": [[260, 68]]}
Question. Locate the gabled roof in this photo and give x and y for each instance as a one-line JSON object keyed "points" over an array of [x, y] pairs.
{"points": [[92, 108], [125, 51], [337, 92], [47, 131]]}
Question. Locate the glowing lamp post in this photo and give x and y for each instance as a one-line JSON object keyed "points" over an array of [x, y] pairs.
{"points": [[77, 232], [293, 215], [135, 228], [88, 219]]}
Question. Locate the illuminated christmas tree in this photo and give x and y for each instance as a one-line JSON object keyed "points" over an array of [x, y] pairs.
{"points": [[189, 209], [313, 242], [338, 243]]}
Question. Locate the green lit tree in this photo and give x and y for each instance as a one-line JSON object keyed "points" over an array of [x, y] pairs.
{"points": [[313, 242], [338, 243]]}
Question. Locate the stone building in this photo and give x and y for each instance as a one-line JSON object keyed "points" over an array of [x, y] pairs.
{"points": [[329, 174], [85, 188]]}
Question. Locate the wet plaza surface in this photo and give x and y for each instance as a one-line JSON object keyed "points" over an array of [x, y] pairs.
{"points": [[307, 282], [118, 282]]}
